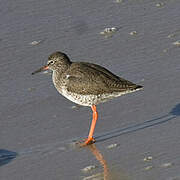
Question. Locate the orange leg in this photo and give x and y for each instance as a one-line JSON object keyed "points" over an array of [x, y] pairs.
{"points": [[90, 138]]}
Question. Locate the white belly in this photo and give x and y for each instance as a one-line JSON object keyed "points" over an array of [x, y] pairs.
{"points": [[89, 100]]}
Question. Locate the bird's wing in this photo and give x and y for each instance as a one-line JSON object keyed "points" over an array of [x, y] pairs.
{"points": [[86, 78]]}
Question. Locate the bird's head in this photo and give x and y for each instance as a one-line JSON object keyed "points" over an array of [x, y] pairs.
{"points": [[57, 61]]}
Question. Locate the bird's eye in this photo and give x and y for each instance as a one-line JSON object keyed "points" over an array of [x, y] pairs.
{"points": [[51, 62]]}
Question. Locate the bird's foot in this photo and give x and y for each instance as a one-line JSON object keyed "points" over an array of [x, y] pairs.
{"points": [[86, 142]]}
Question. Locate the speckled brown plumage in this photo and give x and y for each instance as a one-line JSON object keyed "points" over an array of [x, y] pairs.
{"points": [[86, 84], [86, 78], [83, 82]]}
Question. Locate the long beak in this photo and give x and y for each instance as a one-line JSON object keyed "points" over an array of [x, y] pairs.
{"points": [[41, 69]]}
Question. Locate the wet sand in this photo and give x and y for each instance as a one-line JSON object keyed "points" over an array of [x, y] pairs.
{"points": [[137, 134]]}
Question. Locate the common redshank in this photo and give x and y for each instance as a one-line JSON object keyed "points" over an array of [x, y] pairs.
{"points": [[86, 84]]}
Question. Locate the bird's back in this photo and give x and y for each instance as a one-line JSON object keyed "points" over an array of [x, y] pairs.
{"points": [[87, 78]]}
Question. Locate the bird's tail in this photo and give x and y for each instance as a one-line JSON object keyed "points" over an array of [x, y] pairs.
{"points": [[138, 87]]}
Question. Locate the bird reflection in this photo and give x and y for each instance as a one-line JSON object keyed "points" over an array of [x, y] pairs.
{"points": [[109, 173], [101, 159]]}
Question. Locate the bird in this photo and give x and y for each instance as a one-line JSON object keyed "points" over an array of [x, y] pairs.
{"points": [[86, 84]]}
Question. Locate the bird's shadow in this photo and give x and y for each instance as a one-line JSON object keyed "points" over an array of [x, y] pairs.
{"points": [[6, 156], [150, 123]]}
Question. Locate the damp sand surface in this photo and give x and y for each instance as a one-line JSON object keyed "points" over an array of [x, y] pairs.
{"points": [[137, 135]]}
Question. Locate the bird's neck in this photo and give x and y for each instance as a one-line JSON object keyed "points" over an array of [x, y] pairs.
{"points": [[57, 74], [61, 69]]}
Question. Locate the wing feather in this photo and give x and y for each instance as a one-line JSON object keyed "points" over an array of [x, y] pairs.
{"points": [[87, 78]]}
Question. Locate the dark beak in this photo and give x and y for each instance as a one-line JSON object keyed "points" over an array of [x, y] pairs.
{"points": [[41, 69]]}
